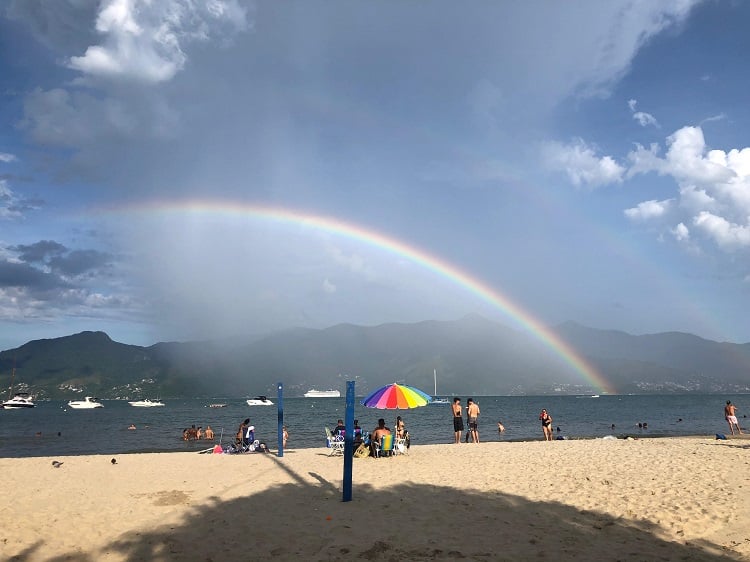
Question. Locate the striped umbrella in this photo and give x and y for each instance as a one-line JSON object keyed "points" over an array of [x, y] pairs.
{"points": [[397, 396]]}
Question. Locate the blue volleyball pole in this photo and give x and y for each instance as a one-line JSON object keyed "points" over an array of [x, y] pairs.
{"points": [[349, 441], [280, 396]]}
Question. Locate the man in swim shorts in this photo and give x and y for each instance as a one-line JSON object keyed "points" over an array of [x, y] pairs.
{"points": [[458, 420], [472, 410], [730, 414]]}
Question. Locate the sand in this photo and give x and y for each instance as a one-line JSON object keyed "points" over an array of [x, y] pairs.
{"points": [[648, 499]]}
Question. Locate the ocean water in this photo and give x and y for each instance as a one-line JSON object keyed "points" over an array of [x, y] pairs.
{"points": [[53, 429]]}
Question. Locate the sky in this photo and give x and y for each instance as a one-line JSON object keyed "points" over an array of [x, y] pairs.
{"points": [[182, 170]]}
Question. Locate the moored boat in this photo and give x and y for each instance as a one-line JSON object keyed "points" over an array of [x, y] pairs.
{"points": [[259, 401], [20, 401], [312, 393], [88, 403], [146, 403]]}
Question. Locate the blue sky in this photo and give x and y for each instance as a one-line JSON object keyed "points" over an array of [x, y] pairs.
{"points": [[587, 160]]}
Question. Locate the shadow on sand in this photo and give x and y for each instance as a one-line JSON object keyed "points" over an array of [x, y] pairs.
{"points": [[308, 521]]}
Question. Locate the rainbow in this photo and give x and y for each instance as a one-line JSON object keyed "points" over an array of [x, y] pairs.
{"points": [[414, 254]]}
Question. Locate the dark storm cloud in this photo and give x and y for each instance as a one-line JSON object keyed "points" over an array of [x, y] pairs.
{"points": [[39, 252], [79, 262], [60, 260], [26, 276]]}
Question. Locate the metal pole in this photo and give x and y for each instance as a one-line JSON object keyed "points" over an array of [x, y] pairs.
{"points": [[349, 441], [280, 396]]}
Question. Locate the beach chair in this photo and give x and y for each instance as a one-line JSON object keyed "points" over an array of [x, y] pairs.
{"points": [[337, 446], [399, 447], [384, 447], [335, 443]]}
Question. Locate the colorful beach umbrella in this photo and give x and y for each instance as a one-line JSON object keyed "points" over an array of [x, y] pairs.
{"points": [[396, 396]]}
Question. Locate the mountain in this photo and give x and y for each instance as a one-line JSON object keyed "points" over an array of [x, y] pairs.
{"points": [[659, 362], [472, 355]]}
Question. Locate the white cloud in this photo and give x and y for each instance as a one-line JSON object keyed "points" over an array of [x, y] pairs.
{"points": [[719, 117], [681, 232], [144, 40], [649, 210], [9, 202], [643, 118], [689, 161], [727, 235], [714, 187], [352, 262], [582, 165], [7, 158], [329, 287], [695, 200]]}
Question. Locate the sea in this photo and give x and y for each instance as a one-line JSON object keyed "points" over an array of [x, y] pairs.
{"points": [[54, 429]]}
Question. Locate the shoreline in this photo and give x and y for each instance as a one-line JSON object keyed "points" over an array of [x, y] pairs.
{"points": [[274, 450], [669, 498]]}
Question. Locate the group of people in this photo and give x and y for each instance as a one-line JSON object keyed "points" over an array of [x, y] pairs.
{"points": [[369, 440], [193, 433], [472, 419]]}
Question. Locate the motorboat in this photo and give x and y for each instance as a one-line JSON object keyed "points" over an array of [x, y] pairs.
{"points": [[146, 403], [20, 400], [312, 393], [88, 403], [217, 405], [259, 401]]}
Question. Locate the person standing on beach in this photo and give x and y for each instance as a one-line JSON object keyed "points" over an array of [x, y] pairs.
{"points": [[473, 412], [241, 430], [458, 420], [730, 414], [546, 420]]}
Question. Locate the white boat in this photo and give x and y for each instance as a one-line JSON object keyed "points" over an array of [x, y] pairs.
{"points": [[435, 398], [146, 403], [259, 401], [87, 403], [19, 401], [217, 405], [312, 393]]}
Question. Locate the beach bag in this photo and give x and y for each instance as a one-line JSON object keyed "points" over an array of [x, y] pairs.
{"points": [[362, 451]]}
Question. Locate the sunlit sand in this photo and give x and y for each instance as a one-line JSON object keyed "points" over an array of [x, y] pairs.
{"points": [[649, 499]]}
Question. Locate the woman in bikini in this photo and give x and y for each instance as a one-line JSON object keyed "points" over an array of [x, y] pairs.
{"points": [[546, 420]]}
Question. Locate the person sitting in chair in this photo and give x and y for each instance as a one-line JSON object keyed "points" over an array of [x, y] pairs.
{"points": [[380, 431], [340, 428], [357, 436]]}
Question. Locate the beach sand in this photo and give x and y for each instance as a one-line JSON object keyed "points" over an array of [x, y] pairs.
{"points": [[647, 499]]}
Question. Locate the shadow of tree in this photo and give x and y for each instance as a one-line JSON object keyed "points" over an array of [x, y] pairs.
{"points": [[308, 521]]}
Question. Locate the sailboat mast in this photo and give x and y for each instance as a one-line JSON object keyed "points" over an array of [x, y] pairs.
{"points": [[12, 377], [434, 376]]}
